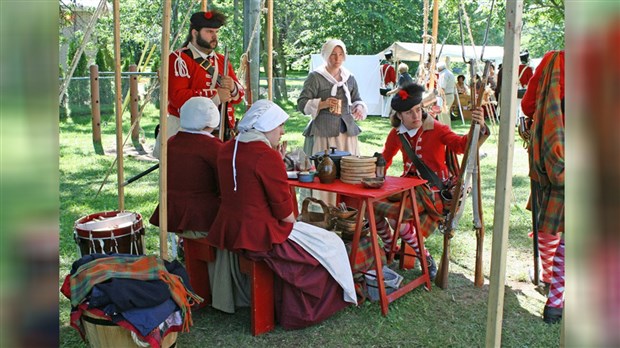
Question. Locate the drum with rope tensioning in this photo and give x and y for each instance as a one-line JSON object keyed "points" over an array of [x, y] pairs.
{"points": [[110, 232]]}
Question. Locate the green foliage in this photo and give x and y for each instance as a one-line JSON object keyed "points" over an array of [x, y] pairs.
{"points": [[106, 87], [78, 91]]}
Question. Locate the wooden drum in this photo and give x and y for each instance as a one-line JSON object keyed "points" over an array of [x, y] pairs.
{"points": [[110, 232]]}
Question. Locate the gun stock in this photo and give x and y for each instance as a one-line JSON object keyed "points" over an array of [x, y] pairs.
{"points": [[224, 106], [478, 273], [442, 274]]}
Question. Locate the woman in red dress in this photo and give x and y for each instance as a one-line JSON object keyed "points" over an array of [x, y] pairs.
{"points": [[313, 276]]}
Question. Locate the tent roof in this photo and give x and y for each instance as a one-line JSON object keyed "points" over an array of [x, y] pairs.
{"points": [[411, 51]]}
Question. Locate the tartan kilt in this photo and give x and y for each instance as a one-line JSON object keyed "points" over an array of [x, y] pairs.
{"points": [[429, 205], [551, 218]]}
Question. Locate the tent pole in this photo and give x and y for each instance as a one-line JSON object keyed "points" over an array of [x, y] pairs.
{"points": [[270, 49], [431, 82], [503, 188], [163, 114], [203, 5], [118, 104]]}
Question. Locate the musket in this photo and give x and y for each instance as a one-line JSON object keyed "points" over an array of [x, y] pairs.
{"points": [[459, 194], [224, 105], [139, 175], [534, 202]]}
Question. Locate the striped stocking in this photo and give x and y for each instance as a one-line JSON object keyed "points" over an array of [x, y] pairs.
{"points": [[556, 290], [383, 230], [547, 245], [409, 235]]}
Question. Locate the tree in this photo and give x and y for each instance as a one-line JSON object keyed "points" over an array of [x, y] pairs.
{"points": [[78, 90]]}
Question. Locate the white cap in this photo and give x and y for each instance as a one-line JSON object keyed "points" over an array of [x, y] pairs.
{"points": [[329, 46], [264, 116], [198, 113]]}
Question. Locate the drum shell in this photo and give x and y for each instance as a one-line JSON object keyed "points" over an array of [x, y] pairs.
{"points": [[122, 240]]}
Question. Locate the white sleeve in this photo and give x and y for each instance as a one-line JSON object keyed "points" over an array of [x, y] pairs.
{"points": [[312, 107]]}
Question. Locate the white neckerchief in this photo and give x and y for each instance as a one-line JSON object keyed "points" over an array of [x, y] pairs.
{"points": [[196, 132], [344, 74], [411, 132], [246, 137]]}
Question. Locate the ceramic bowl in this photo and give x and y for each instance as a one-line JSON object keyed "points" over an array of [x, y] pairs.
{"points": [[305, 176], [373, 182]]}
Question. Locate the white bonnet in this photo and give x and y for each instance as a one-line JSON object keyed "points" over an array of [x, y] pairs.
{"points": [[441, 66], [198, 113], [329, 46], [264, 116]]}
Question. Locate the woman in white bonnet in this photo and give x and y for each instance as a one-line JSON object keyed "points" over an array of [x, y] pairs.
{"points": [[313, 276], [328, 86]]}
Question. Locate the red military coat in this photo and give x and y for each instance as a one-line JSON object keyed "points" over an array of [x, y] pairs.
{"points": [[388, 73], [193, 189], [429, 143], [191, 80], [249, 218], [525, 76]]}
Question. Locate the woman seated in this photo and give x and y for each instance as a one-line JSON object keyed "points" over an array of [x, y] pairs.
{"points": [[313, 275], [461, 86], [428, 139]]}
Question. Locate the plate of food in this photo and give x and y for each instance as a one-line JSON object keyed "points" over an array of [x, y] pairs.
{"points": [[292, 174]]}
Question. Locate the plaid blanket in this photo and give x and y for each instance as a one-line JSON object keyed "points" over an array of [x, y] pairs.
{"points": [[140, 268], [547, 148], [429, 205]]}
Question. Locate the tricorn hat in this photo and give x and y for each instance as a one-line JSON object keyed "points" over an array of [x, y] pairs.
{"points": [[409, 96], [209, 19]]}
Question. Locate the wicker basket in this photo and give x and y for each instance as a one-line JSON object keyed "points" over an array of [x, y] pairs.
{"points": [[322, 220]]}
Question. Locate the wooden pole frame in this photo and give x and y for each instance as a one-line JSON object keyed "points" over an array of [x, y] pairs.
{"points": [[95, 105], [503, 188], [432, 65], [163, 121], [119, 106], [133, 104], [270, 49]]}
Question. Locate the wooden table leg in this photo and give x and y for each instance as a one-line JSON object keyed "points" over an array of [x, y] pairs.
{"points": [[378, 264]]}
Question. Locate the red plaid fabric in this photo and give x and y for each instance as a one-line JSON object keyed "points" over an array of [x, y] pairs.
{"points": [[429, 205], [364, 261], [547, 148]]}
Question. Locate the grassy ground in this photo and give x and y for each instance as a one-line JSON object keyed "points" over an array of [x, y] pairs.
{"points": [[454, 317]]}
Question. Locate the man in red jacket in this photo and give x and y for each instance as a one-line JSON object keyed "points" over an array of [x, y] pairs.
{"points": [[197, 70]]}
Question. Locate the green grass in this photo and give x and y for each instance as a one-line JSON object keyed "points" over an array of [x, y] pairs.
{"points": [[455, 317]]}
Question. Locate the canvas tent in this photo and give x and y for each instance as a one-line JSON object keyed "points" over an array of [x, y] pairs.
{"points": [[367, 74], [411, 51]]}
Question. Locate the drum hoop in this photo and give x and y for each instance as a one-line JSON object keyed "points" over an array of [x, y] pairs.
{"points": [[110, 234]]}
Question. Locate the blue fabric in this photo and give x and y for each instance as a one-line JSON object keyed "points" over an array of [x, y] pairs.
{"points": [[146, 320]]}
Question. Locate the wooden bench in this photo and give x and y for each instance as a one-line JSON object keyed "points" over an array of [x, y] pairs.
{"points": [[262, 303], [198, 253]]}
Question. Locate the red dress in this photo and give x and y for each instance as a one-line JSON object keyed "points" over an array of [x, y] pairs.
{"points": [[193, 189], [249, 222], [199, 83]]}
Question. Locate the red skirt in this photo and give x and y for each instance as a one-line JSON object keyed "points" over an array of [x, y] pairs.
{"points": [[306, 294]]}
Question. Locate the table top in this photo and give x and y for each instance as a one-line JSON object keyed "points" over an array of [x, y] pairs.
{"points": [[393, 184]]}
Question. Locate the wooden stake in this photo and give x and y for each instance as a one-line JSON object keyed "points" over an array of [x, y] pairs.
{"points": [[163, 122], [432, 68], [119, 106], [503, 187], [133, 104], [95, 105]]}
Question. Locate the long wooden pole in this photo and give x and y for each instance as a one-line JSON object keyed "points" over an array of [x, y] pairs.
{"points": [[203, 5], [95, 105], [270, 49], [163, 121], [119, 106], [503, 187], [431, 83], [133, 103]]}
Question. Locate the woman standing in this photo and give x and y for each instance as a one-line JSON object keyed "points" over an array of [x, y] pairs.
{"points": [[314, 279], [427, 139], [331, 97]]}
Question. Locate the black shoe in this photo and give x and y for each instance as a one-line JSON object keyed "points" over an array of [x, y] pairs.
{"points": [[432, 267], [552, 315]]}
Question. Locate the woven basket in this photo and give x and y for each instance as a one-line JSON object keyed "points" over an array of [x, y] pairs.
{"points": [[322, 220]]}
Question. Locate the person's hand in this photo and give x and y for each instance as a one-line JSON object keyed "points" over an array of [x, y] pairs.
{"points": [[228, 83], [477, 115], [282, 148], [330, 103], [357, 113], [224, 94]]}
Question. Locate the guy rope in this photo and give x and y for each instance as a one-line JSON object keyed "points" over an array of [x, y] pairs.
{"points": [[469, 174]]}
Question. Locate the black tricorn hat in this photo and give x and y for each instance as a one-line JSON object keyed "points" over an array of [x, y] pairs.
{"points": [[209, 19], [409, 96]]}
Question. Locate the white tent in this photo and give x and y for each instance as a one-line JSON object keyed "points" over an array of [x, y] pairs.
{"points": [[366, 70], [411, 51]]}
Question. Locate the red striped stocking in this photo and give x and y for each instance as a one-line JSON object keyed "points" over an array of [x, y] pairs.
{"points": [[383, 230], [547, 245], [556, 290]]}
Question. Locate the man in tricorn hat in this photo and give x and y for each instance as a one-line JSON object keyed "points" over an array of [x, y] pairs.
{"points": [[525, 71], [197, 70]]}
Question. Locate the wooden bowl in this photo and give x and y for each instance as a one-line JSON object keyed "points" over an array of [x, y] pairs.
{"points": [[373, 183]]}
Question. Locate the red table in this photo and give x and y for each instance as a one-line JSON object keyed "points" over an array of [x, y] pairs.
{"points": [[366, 197]]}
